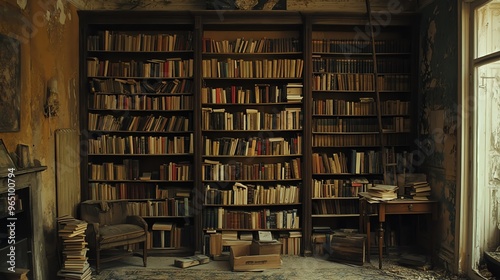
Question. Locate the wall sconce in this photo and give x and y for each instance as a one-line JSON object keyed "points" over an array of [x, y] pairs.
{"points": [[51, 107]]}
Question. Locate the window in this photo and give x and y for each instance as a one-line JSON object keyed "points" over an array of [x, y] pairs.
{"points": [[485, 123]]}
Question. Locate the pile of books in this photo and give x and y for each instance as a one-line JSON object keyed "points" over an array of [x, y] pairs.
{"points": [[381, 192], [75, 261], [294, 92], [418, 190]]}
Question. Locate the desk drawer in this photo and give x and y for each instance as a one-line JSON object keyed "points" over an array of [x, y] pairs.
{"points": [[408, 208]]}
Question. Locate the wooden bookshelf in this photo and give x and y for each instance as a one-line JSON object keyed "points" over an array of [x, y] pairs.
{"points": [[248, 71], [346, 125], [261, 98], [137, 114]]}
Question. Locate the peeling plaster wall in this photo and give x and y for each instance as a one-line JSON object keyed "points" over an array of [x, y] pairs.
{"points": [[48, 32], [438, 99]]}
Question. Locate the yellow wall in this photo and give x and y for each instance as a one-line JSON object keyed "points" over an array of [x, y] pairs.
{"points": [[48, 33]]}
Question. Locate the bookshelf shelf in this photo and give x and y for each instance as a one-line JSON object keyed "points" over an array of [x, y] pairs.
{"points": [[270, 131], [139, 52], [140, 132], [254, 181], [137, 110], [335, 216], [253, 229], [140, 181], [139, 155], [168, 217], [253, 205], [334, 198], [253, 156]]}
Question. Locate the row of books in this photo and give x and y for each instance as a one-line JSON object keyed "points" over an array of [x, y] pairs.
{"points": [[253, 146], [360, 65], [359, 46], [74, 248], [129, 170], [290, 243], [240, 68], [261, 93], [398, 124], [345, 125], [140, 102], [356, 162], [249, 194], [139, 123], [178, 207], [251, 45], [360, 82], [109, 40], [216, 171], [339, 188], [363, 140], [140, 145], [106, 191], [366, 125], [251, 119], [152, 68], [132, 86], [335, 207], [220, 218], [364, 107]]}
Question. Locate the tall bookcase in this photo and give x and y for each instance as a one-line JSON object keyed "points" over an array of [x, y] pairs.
{"points": [[265, 103], [353, 133], [252, 125], [138, 120]]}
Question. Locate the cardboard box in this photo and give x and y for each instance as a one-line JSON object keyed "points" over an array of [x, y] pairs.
{"points": [[265, 248], [242, 260]]}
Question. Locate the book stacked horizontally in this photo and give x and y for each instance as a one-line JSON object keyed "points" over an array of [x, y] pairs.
{"points": [[381, 192], [419, 190], [74, 246]]}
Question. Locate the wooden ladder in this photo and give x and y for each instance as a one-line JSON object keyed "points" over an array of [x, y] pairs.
{"points": [[389, 168]]}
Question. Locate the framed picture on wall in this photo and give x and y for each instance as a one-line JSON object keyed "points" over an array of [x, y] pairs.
{"points": [[5, 159], [10, 84]]}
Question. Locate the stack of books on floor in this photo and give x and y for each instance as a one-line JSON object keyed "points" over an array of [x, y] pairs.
{"points": [[75, 262], [418, 190], [380, 192]]}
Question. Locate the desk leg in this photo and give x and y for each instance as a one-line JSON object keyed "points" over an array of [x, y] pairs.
{"points": [[380, 244], [368, 240]]}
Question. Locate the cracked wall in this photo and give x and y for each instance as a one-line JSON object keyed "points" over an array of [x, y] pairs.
{"points": [[48, 35], [438, 120]]}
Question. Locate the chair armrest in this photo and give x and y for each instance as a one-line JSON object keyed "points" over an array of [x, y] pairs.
{"points": [[137, 220]]}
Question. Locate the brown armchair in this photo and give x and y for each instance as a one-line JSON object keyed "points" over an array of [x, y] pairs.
{"points": [[109, 227]]}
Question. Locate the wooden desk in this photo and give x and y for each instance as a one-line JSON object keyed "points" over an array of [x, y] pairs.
{"points": [[394, 207]]}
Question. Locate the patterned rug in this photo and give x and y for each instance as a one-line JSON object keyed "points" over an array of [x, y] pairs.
{"points": [[292, 268], [167, 274]]}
